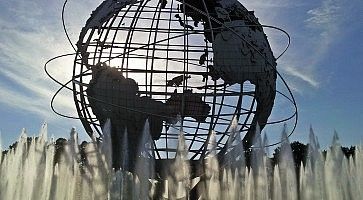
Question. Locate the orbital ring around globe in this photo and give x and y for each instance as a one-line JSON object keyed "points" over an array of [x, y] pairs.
{"points": [[194, 125]]}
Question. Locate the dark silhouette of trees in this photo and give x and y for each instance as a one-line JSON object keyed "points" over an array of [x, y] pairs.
{"points": [[349, 152], [299, 153]]}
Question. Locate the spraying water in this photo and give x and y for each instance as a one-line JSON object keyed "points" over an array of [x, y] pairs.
{"points": [[43, 169]]}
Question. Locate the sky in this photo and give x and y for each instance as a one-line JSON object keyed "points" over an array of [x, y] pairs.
{"points": [[323, 66]]}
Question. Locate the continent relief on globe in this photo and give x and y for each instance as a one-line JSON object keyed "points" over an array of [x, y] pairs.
{"points": [[114, 97], [241, 51]]}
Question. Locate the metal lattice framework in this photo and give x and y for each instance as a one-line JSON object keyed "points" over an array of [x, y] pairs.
{"points": [[163, 48]]}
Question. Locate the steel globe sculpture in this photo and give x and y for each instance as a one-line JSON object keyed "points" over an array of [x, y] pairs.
{"points": [[191, 65]]}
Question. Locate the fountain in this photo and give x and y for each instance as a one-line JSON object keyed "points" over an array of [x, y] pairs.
{"points": [[39, 168], [201, 74]]}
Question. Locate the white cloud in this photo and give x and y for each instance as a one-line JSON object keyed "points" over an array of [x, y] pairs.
{"points": [[303, 75], [269, 4], [24, 103], [325, 22], [325, 15], [310, 43], [31, 35]]}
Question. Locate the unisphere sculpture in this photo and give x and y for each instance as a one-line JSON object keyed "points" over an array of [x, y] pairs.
{"points": [[190, 65]]}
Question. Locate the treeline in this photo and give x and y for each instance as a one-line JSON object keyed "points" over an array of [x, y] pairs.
{"points": [[300, 153]]}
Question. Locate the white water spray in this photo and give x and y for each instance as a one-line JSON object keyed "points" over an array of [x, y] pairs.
{"points": [[40, 169]]}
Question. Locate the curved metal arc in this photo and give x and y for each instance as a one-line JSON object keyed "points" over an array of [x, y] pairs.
{"points": [[64, 25], [61, 84], [52, 59], [52, 102]]}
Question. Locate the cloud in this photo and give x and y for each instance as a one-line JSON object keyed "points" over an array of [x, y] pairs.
{"points": [[325, 22], [29, 39], [304, 76], [16, 100], [269, 4], [31, 33], [311, 43], [325, 15]]}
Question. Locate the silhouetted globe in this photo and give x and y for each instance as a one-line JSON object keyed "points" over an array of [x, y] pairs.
{"points": [[189, 65]]}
